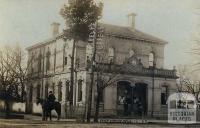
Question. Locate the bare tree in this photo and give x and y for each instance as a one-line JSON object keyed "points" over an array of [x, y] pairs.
{"points": [[187, 81], [192, 87], [9, 89], [103, 78], [21, 70], [182, 71], [13, 74]]}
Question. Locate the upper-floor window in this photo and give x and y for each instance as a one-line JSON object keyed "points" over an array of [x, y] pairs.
{"points": [[65, 61], [88, 62], [151, 59], [111, 55], [40, 62], [54, 66], [31, 63], [77, 63], [164, 94], [48, 54], [89, 50], [131, 53], [64, 55]]}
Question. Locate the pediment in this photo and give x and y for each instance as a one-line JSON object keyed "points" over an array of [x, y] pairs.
{"points": [[134, 61], [132, 64]]}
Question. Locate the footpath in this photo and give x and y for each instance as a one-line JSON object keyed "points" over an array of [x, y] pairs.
{"points": [[36, 122]]}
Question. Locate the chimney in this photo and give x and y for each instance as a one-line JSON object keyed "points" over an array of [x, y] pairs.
{"points": [[55, 28], [131, 21]]}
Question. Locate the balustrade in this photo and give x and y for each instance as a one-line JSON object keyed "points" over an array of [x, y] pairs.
{"points": [[135, 70]]}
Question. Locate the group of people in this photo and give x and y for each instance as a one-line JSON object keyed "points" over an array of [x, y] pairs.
{"points": [[131, 105]]}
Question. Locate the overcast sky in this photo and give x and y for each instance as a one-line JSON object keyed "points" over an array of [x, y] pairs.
{"points": [[176, 21]]}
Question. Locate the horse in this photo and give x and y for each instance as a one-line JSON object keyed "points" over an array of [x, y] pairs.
{"points": [[46, 108]]}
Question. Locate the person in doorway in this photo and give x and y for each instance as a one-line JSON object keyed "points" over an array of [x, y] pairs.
{"points": [[125, 106], [126, 100], [121, 99]]}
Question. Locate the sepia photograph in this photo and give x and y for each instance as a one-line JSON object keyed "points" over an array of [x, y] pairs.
{"points": [[99, 63]]}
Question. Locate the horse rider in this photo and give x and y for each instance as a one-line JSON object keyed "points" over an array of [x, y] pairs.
{"points": [[51, 99]]}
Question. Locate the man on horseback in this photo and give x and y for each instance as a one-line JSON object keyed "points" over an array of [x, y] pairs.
{"points": [[51, 99]]}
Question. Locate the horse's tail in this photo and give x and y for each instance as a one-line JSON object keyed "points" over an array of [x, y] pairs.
{"points": [[58, 109]]}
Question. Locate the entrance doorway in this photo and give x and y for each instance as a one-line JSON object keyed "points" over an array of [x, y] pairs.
{"points": [[131, 99]]}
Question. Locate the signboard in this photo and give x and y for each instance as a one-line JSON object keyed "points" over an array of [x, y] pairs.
{"points": [[182, 116], [181, 108]]}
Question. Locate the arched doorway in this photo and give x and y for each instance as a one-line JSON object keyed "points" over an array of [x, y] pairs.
{"points": [[131, 98]]}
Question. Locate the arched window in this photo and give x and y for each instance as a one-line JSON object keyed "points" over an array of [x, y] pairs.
{"points": [[65, 60], [48, 54], [38, 90], [151, 59], [164, 94], [111, 54], [67, 92], [64, 55], [80, 83], [40, 63], [46, 90], [131, 53], [31, 63], [54, 66], [59, 91]]}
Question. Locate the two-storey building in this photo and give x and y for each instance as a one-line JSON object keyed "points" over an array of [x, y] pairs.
{"points": [[133, 59]]}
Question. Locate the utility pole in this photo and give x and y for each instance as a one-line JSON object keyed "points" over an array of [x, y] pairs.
{"points": [[72, 78], [153, 82], [75, 71], [92, 73]]}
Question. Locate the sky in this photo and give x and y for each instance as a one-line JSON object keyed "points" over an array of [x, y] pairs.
{"points": [[28, 22]]}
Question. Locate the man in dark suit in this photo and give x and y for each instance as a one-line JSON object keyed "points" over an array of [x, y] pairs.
{"points": [[51, 99]]}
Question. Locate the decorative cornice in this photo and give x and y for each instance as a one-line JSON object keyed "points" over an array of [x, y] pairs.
{"points": [[109, 34]]}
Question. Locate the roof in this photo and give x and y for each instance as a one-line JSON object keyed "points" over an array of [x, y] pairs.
{"points": [[126, 32], [114, 30]]}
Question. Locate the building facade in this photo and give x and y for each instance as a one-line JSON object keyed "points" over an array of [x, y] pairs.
{"points": [[133, 60]]}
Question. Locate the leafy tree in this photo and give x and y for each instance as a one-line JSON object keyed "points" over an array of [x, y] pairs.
{"points": [[80, 16]]}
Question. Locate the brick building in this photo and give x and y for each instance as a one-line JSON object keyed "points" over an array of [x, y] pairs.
{"points": [[142, 79]]}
